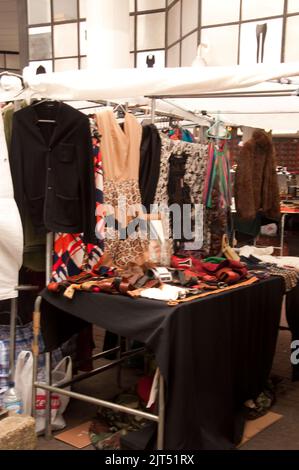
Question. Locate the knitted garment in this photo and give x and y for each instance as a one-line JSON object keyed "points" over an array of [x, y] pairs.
{"points": [[290, 276]]}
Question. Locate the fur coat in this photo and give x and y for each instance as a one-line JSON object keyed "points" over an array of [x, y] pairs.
{"points": [[256, 184]]}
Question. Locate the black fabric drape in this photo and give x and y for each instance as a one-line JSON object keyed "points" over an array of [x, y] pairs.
{"points": [[214, 353], [292, 311], [292, 315], [149, 170]]}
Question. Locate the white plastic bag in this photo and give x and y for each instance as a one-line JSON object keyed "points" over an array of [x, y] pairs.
{"points": [[23, 379], [270, 230], [61, 374], [23, 382]]}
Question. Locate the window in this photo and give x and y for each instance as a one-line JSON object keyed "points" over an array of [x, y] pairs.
{"points": [[39, 11], [147, 31], [293, 6], [62, 65], [229, 29], [150, 4], [292, 39], [189, 16], [40, 45], [47, 64], [151, 31], [57, 33], [174, 23], [215, 12], [252, 9], [222, 45], [159, 59], [189, 50], [64, 10], [82, 8], [173, 56], [272, 43], [66, 40]]}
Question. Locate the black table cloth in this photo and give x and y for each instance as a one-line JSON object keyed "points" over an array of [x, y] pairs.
{"points": [[214, 353]]}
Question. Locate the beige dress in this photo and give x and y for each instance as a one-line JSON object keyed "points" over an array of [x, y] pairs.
{"points": [[120, 155]]}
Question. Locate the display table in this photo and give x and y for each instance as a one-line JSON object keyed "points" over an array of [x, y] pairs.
{"points": [[285, 210], [214, 353]]}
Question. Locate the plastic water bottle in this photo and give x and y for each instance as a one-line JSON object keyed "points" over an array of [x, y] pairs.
{"points": [[3, 363], [12, 400]]}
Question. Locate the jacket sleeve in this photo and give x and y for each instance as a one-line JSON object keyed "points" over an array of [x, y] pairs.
{"points": [[87, 183], [16, 166]]}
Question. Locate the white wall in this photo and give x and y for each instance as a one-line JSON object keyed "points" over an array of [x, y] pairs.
{"points": [[108, 37]]}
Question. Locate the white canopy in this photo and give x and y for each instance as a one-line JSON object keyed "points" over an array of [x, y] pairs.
{"points": [[273, 112], [115, 84], [280, 113]]}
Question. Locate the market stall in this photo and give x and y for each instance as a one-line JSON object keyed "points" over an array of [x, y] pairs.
{"points": [[182, 336]]}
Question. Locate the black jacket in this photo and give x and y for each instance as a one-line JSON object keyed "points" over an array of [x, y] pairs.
{"points": [[52, 168]]}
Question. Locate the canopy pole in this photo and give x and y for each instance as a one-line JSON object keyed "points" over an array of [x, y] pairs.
{"points": [[153, 110]]}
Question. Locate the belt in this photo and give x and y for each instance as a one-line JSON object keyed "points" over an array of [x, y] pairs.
{"points": [[248, 282]]}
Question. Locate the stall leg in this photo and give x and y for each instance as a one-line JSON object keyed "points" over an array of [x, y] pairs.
{"points": [[282, 225], [35, 350], [161, 423], [118, 369], [12, 345], [48, 396]]}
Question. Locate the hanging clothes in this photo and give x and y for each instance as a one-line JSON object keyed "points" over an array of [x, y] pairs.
{"points": [[149, 171], [71, 254], [11, 235], [179, 133], [178, 193], [187, 163], [34, 243], [217, 195], [57, 156], [256, 185], [121, 158], [218, 172]]}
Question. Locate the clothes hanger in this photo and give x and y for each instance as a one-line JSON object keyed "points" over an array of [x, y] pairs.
{"points": [[7, 89], [120, 110], [12, 74], [218, 130], [45, 100]]}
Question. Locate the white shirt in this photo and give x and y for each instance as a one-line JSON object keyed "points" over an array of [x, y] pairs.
{"points": [[11, 233]]}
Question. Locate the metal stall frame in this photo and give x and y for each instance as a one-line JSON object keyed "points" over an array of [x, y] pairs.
{"points": [[159, 418]]}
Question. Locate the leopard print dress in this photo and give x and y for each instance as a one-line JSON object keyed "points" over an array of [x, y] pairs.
{"points": [[125, 237]]}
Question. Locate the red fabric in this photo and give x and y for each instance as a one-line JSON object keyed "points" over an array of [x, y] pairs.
{"points": [[144, 387], [228, 271]]}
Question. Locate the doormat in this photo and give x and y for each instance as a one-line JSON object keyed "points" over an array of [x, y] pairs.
{"points": [[77, 437], [255, 426]]}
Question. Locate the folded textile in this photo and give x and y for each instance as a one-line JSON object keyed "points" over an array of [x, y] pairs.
{"points": [[228, 271], [165, 292], [266, 255]]}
